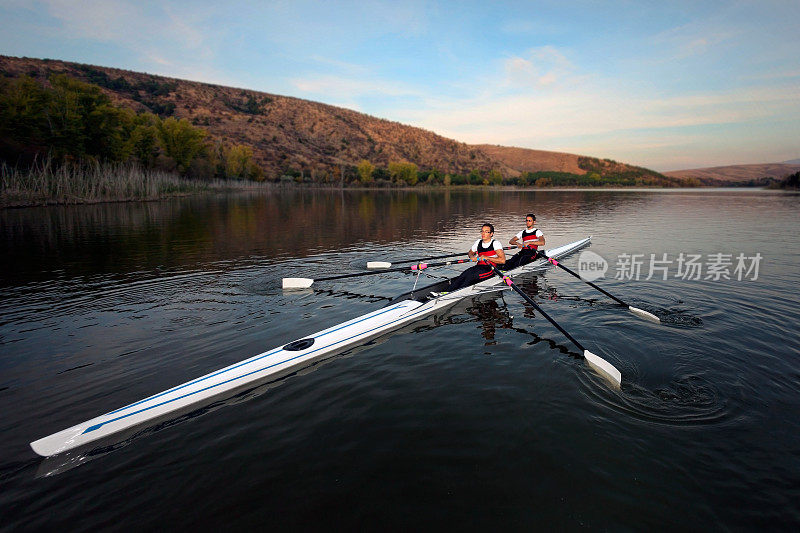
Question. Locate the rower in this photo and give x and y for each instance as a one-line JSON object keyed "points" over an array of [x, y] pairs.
{"points": [[485, 250], [529, 241]]}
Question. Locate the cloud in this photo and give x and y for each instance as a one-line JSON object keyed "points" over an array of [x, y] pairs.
{"points": [[183, 31], [341, 66], [130, 25], [94, 19], [538, 67], [694, 39], [340, 87], [624, 125], [577, 112], [776, 75]]}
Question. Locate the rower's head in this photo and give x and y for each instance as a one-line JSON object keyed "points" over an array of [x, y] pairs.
{"points": [[487, 230], [530, 220]]}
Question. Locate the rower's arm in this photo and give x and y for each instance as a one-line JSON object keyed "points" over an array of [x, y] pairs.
{"points": [[539, 241], [514, 242], [500, 259]]}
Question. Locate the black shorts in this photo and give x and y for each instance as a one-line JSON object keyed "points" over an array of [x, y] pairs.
{"points": [[523, 257], [470, 276]]}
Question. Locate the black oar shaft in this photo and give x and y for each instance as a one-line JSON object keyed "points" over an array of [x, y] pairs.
{"points": [[439, 257], [536, 306], [412, 268], [427, 258], [558, 264], [340, 276]]}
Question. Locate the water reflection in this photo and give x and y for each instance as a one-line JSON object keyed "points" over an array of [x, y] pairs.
{"points": [[195, 232], [491, 316], [104, 305], [492, 313]]}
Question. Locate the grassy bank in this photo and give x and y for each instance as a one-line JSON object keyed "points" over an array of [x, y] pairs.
{"points": [[46, 183]]}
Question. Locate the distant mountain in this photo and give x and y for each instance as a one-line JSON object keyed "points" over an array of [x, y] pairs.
{"points": [[792, 162], [319, 141], [738, 174]]}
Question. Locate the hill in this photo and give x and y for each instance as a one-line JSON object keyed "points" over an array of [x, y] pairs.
{"points": [[316, 141], [558, 168], [738, 174], [527, 160]]}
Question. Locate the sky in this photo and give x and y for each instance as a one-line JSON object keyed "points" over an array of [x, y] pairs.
{"points": [[666, 85]]}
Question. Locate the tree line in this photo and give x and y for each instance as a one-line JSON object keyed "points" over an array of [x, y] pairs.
{"points": [[72, 121], [792, 181], [409, 174]]}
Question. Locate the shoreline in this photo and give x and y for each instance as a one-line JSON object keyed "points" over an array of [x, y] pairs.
{"points": [[22, 199], [17, 203], [47, 184]]}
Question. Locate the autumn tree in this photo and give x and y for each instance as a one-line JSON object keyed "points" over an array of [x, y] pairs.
{"points": [[181, 141], [70, 120], [403, 172], [143, 141], [70, 102], [239, 164], [365, 170], [23, 123]]}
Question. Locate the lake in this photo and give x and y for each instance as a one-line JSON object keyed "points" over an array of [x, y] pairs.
{"points": [[482, 417]]}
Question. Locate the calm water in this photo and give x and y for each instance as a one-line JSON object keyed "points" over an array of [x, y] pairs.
{"points": [[483, 417]]}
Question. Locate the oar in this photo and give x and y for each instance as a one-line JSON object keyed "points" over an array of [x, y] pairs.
{"points": [[600, 365], [641, 312], [384, 264], [304, 283]]}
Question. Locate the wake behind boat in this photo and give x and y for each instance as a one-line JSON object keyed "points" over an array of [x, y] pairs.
{"points": [[289, 358]]}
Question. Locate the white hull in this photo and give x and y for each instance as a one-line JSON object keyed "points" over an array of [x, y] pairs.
{"points": [[271, 364]]}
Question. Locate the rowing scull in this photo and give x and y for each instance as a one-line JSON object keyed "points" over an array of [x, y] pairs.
{"points": [[277, 362]]}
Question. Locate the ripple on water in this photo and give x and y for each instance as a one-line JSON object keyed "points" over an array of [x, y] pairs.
{"points": [[686, 400], [678, 318]]}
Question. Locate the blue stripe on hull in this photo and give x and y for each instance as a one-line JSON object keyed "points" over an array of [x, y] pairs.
{"points": [[268, 354]]}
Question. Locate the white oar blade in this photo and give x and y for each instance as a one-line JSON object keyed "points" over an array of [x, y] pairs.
{"points": [[644, 314], [604, 368], [297, 283], [378, 264]]}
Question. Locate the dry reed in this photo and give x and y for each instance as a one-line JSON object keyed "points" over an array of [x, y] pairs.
{"points": [[46, 183]]}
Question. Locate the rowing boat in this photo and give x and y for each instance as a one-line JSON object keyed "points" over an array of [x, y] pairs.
{"points": [[280, 361]]}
